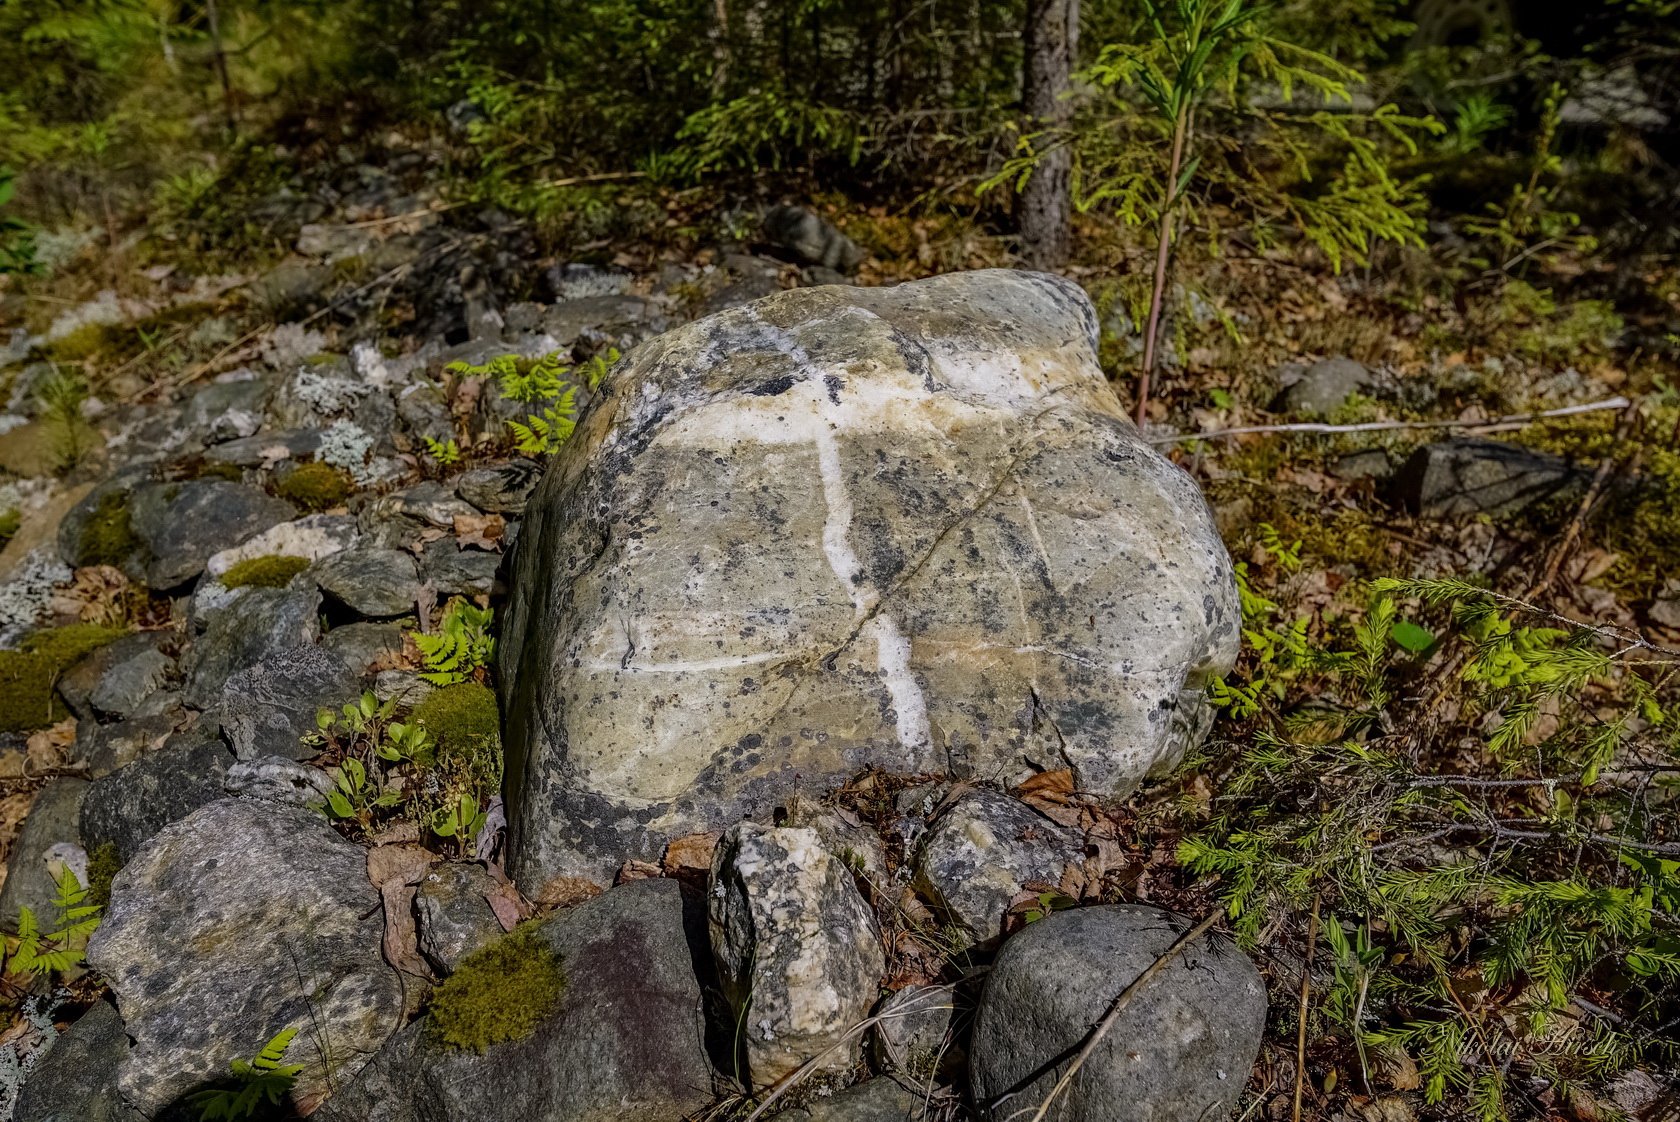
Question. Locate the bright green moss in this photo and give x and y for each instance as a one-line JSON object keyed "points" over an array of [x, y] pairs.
{"points": [[274, 571], [107, 537], [10, 522], [500, 993], [27, 698], [314, 486], [103, 866], [462, 719]]}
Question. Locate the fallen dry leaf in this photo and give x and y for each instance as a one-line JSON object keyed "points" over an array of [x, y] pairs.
{"points": [[482, 530], [398, 864], [692, 852], [563, 892]]}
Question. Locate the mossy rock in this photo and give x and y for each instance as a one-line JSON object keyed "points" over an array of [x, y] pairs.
{"points": [[462, 718], [273, 571], [107, 537], [28, 699], [500, 993], [104, 863], [315, 486]]}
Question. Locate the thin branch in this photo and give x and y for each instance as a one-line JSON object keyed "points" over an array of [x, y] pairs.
{"points": [[1515, 420], [1306, 1002]]}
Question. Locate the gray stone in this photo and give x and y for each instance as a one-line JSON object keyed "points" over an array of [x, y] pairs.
{"points": [[741, 291], [76, 1081], [405, 685], [278, 780], [126, 688], [982, 851], [1324, 387], [810, 239], [73, 544], [224, 411], [1456, 477], [182, 524], [266, 448], [907, 527], [268, 708], [913, 1034], [103, 749], [1181, 1050], [627, 1043], [500, 488], [797, 948], [601, 317], [365, 646], [455, 916], [292, 289], [248, 625], [53, 820], [241, 920], [311, 537], [1367, 463], [422, 410], [1665, 609], [882, 1099], [77, 684], [453, 571], [128, 807], [370, 582]]}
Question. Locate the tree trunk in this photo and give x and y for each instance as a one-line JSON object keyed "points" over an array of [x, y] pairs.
{"points": [[1044, 210], [220, 59]]}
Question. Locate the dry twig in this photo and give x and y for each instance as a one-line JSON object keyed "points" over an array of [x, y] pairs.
{"points": [[1492, 424]]}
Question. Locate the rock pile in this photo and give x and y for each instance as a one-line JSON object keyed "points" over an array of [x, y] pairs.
{"points": [[817, 579]]}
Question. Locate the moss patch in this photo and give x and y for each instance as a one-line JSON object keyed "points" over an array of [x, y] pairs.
{"points": [[103, 867], [315, 486], [500, 993], [273, 571], [462, 719], [107, 537], [28, 699]]}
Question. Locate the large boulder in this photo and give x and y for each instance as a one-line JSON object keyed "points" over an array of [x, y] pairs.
{"points": [[626, 1044], [908, 528], [241, 920], [1179, 1052]]}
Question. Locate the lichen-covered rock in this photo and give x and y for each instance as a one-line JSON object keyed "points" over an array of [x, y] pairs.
{"points": [[908, 528], [797, 948], [276, 779], [241, 920], [982, 851], [127, 807], [500, 488], [268, 708], [627, 1042], [374, 583], [882, 1099], [1181, 1050], [76, 1081], [1472, 476], [454, 912], [241, 627]]}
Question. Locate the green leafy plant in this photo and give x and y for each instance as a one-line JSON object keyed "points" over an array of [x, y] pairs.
{"points": [[461, 820], [460, 648], [62, 394], [1471, 917], [60, 950], [548, 386], [17, 237], [364, 734], [446, 453], [262, 1081]]}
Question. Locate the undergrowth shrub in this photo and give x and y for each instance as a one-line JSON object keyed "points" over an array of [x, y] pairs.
{"points": [[1467, 788]]}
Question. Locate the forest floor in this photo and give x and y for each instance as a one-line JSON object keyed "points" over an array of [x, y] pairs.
{"points": [[1439, 802]]}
